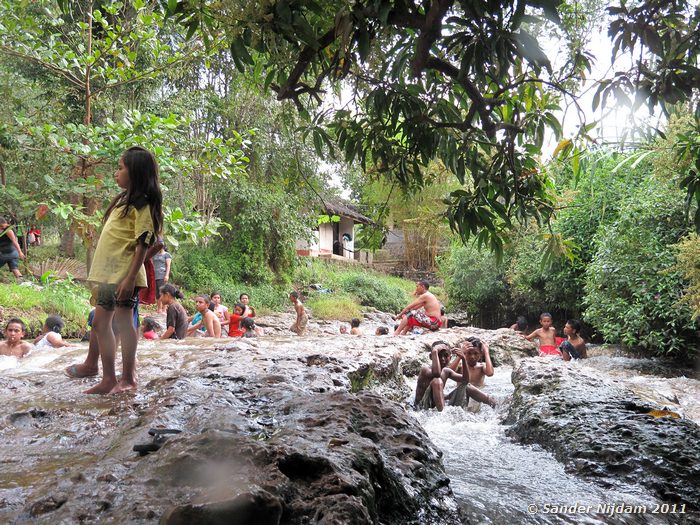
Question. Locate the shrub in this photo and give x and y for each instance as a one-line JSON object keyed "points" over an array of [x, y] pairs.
{"points": [[688, 264], [383, 292], [632, 287], [63, 297], [474, 282], [373, 291]]}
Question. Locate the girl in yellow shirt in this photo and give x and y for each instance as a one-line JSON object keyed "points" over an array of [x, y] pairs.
{"points": [[133, 221]]}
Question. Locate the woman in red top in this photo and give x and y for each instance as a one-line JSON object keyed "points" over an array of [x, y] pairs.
{"points": [[234, 325]]}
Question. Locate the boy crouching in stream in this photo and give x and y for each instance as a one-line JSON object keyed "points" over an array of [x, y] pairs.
{"points": [[431, 380]]}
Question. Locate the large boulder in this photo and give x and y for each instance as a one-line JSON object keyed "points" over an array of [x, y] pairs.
{"points": [[603, 431]]}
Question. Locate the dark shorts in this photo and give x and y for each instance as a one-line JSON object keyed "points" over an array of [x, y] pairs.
{"points": [[106, 298], [11, 259], [566, 346], [159, 283]]}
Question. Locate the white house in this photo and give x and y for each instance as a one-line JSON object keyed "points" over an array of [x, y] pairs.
{"points": [[334, 239]]}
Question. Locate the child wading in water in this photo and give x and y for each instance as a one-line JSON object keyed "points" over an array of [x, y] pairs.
{"points": [[299, 326], [547, 336], [132, 222]]}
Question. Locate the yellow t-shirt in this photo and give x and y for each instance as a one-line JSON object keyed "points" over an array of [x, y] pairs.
{"points": [[117, 245]]}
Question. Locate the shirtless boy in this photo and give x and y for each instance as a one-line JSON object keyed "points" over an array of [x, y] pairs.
{"points": [[547, 336], [355, 327], [475, 350], [432, 379], [412, 315], [13, 344], [575, 346], [299, 326]]}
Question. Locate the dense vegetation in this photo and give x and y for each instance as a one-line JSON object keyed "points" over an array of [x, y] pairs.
{"points": [[632, 272]]}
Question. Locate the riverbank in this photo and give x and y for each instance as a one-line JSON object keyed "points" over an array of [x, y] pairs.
{"points": [[331, 292]]}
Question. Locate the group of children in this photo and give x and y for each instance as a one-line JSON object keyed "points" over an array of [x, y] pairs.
{"points": [[132, 231], [356, 330], [573, 346], [468, 364]]}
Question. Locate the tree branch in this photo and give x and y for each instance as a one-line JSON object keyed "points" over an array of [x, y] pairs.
{"points": [[430, 32], [61, 72], [481, 104]]}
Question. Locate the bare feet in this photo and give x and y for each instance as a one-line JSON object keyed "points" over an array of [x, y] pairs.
{"points": [[79, 371], [123, 386], [102, 388]]}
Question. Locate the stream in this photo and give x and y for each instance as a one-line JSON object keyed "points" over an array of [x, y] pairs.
{"points": [[498, 481]]}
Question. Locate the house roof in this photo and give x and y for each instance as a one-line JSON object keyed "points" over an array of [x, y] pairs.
{"points": [[345, 209]]}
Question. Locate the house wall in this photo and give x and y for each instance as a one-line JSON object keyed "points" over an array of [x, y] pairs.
{"points": [[322, 242], [325, 242], [309, 248]]}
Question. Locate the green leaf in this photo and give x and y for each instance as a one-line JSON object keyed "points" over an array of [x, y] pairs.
{"points": [[529, 48], [362, 36], [238, 48]]}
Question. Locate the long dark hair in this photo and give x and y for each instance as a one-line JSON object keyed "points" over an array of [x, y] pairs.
{"points": [[171, 290], [144, 187]]}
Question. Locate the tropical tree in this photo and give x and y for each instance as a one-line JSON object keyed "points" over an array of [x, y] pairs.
{"points": [[91, 53], [461, 81]]}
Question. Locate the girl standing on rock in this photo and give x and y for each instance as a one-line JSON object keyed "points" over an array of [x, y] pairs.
{"points": [[133, 221]]}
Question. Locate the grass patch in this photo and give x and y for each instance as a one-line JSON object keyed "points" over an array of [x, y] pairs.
{"points": [[334, 306], [33, 304], [380, 291]]}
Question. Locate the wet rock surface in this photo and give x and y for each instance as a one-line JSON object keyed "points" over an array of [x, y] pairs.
{"points": [[605, 432], [273, 430]]}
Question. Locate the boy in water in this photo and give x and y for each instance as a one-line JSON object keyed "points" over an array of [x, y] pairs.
{"points": [[478, 361], [13, 344], [547, 336], [299, 326], [355, 327], [432, 379], [575, 346]]}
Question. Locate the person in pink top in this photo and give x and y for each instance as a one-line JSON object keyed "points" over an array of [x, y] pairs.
{"points": [[221, 311]]}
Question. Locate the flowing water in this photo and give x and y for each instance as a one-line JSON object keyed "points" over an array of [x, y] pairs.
{"points": [[500, 482]]}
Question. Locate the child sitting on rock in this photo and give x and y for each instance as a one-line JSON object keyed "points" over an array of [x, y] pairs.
{"points": [[575, 346]]}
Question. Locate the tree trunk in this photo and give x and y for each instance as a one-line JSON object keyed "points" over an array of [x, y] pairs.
{"points": [[67, 248]]}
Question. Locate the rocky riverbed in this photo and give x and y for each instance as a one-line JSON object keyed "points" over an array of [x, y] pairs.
{"points": [[603, 431], [277, 429]]}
